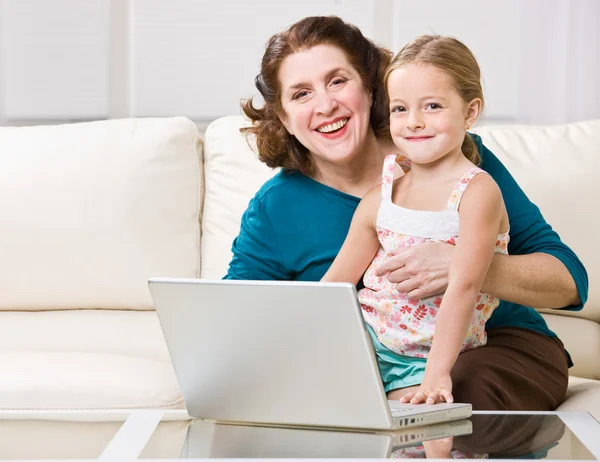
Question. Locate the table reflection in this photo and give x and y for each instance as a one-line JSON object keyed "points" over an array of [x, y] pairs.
{"points": [[498, 436], [206, 439]]}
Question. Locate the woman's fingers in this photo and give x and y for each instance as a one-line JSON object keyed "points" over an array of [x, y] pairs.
{"points": [[391, 264], [408, 285]]}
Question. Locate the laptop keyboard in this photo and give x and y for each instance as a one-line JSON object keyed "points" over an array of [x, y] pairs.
{"points": [[398, 409]]}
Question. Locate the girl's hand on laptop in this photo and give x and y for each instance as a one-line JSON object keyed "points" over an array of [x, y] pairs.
{"points": [[432, 390], [420, 271]]}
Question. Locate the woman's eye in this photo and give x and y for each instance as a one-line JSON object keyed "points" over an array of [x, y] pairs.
{"points": [[300, 94], [337, 82], [398, 109]]}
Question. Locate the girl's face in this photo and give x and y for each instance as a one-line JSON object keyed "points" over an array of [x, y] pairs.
{"points": [[428, 118], [325, 104]]}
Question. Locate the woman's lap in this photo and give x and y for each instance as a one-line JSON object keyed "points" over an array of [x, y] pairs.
{"points": [[518, 369]]}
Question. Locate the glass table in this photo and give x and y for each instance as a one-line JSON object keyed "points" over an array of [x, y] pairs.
{"points": [[154, 435]]}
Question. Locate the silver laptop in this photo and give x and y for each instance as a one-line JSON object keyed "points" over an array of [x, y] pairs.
{"points": [[282, 353]]}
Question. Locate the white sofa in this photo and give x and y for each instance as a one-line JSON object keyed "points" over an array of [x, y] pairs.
{"points": [[90, 211]]}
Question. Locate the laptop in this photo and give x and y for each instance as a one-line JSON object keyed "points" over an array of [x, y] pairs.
{"points": [[205, 439], [283, 353]]}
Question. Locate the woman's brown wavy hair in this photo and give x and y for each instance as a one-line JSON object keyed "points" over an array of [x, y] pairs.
{"points": [[276, 147], [455, 59]]}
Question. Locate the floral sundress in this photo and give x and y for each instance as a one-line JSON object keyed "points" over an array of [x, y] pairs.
{"points": [[407, 326]]}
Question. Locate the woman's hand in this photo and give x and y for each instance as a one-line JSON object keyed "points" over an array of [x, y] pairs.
{"points": [[420, 271], [436, 388]]}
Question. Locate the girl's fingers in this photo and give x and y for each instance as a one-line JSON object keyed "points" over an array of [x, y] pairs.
{"points": [[407, 397], [447, 396], [433, 398], [419, 398]]}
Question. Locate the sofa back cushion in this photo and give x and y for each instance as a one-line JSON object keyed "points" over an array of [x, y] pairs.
{"points": [[233, 174], [90, 211], [557, 167]]}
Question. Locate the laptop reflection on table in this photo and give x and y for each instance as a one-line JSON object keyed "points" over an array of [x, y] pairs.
{"points": [[206, 439]]}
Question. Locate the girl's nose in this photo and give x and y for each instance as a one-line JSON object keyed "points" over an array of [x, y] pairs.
{"points": [[415, 120]]}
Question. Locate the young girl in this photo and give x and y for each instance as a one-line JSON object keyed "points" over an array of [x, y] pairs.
{"points": [[435, 95]]}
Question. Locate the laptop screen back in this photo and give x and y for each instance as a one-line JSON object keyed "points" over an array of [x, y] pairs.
{"points": [[292, 353]]}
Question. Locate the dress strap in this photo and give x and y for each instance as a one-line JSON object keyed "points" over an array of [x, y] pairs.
{"points": [[459, 189], [389, 168]]}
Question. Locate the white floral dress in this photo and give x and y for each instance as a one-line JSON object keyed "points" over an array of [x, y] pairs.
{"points": [[407, 326]]}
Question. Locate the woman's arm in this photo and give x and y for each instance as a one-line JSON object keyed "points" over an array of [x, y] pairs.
{"points": [[360, 244], [481, 217], [256, 252], [540, 272]]}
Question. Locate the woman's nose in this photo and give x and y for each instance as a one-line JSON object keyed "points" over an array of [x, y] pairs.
{"points": [[326, 104]]}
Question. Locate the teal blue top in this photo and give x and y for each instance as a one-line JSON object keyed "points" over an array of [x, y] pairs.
{"points": [[294, 227]]}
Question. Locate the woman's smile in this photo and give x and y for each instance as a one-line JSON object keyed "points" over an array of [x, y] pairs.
{"points": [[334, 130]]}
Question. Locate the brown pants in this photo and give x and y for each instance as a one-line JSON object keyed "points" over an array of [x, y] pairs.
{"points": [[517, 370]]}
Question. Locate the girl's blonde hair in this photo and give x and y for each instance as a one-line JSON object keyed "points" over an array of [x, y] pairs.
{"points": [[455, 59]]}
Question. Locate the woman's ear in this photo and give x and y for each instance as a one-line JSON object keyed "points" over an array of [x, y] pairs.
{"points": [[284, 120], [473, 111]]}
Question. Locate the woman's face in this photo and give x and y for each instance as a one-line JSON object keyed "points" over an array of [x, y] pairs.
{"points": [[325, 104]]}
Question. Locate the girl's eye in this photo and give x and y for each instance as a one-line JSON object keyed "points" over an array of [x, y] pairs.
{"points": [[434, 106], [398, 109]]}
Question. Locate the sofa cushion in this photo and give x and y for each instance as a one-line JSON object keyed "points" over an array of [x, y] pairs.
{"points": [[557, 167], [582, 395], [85, 359], [582, 340], [233, 174], [91, 210]]}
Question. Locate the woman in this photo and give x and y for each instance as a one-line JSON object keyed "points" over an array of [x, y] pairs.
{"points": [[325, 121]]}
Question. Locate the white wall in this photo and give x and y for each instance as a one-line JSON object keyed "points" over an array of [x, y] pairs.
{"points": [[53, 59], [77, 60]]}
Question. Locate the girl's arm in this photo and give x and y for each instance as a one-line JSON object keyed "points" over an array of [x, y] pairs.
{"points": [[481, 214], [360, 244]]}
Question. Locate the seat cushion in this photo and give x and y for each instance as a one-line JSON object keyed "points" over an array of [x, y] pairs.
{"points": [[85, 359], [582, 395], [582, 340], [91, 210]]}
